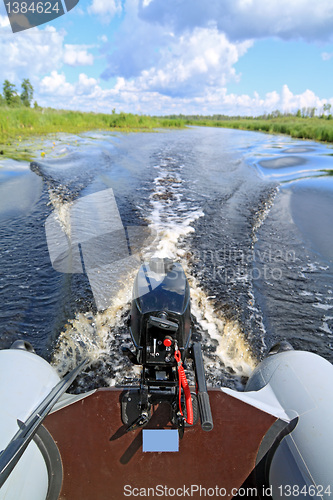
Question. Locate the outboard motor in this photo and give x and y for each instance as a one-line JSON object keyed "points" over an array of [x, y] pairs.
{"points": [[160, 327], [160, 316]]}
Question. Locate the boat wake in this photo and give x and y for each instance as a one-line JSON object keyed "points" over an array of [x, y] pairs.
{"points": [[171, 214]]}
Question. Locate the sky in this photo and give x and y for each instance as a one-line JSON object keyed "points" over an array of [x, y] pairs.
{"points": [[160, 57]]}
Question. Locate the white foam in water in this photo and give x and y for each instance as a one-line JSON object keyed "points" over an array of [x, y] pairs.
{"points": [[262, 214], [325, 328], [325, 307], [61, 211], [305, 293], [172, 220], [101, 335], [91, 336], [232, 348], [169, 217]]}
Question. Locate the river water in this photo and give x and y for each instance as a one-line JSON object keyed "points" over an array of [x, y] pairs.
{"points": [[247, 214]]}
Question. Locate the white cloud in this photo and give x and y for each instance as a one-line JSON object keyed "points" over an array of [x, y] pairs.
{"points": [[291, 102], [85, 84], [173, 64], [183, 66], [126, 95], [170, 70], [77, 55], [56, 85], [30, 53], [182, 55], [105, 9], [326, 56], [245, 19], [136, 45], [193, 63], [4, 21]]}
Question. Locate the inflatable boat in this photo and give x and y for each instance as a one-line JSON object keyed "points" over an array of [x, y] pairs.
{"points": [[170, 436]]}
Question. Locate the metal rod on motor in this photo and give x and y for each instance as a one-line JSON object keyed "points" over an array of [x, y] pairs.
{"points": [[10, 456], [202, 394]]}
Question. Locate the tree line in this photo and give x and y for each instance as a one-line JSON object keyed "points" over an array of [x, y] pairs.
{"points": [[305, 112], [10, 96]]}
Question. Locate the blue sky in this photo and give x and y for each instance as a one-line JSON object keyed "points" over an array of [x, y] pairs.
{"points": [[159, 57]]}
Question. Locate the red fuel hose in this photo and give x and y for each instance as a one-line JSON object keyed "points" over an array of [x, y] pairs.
{"points": [[183, 383]]}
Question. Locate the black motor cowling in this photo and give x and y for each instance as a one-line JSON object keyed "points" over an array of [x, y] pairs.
{"points": [[160, 327], [160, 314]]}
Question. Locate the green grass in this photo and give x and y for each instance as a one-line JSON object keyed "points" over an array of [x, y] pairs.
{"points": [[17, 124], [318, 129]]}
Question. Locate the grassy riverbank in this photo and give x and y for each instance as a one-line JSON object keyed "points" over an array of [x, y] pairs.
{"points": [[315, 128], [17, 124]]}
